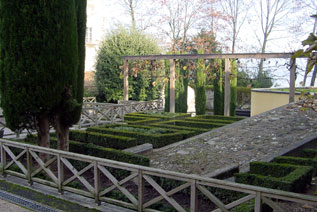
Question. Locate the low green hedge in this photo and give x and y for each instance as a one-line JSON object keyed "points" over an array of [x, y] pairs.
{"points": [[219, 117], [139, 120], [277, 176], [309, 153], [159, 115], [97, 151], [100, 139], [217, 121], [196, 131], [297, 161], [194, 124], [157, 140]]}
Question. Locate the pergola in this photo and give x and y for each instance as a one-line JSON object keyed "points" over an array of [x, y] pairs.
{"points": [[227, 58]]}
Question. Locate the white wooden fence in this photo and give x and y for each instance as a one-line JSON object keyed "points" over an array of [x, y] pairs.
{"points": [[99, 113], [61, 172], [89, 99]]}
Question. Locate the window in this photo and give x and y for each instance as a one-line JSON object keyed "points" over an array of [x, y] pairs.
{"points": [[89, 35]]}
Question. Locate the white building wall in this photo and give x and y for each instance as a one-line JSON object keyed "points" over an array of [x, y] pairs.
{"points": [[96, 25]]}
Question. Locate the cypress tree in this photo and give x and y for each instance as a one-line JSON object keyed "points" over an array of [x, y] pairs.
{"points": [[218, 87], [200, 91], [41, 64]]}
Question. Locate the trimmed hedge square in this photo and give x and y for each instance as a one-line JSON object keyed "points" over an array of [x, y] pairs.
{"points": [[309, 153], [219, 121], [196, 131], [160, 115], [297, 161], [101, 139], [219, 117], [157, 140], [97, 151], [194, 124], [277, 176], [139, 120]]}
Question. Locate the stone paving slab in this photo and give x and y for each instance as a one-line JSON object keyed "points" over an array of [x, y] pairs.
{"points": [[251, 139]]}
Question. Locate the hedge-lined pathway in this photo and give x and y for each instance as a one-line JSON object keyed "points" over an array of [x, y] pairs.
{"points": [[252, 139]]}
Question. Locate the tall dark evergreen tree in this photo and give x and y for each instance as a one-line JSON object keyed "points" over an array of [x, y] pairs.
{"points": [[200, 81], [41, 65], [218, 83]]}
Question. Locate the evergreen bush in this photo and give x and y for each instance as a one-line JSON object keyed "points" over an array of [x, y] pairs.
{"points": [[121, 42]]}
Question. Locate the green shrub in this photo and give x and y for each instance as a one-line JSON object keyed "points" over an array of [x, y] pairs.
{"points": [[200, 100], [139, 120], [142, 130], [157, 140], [194, 124], [297, 161], [219, 117], [108, 153], [309, 153], [97, 151], [210, 120], [115, 44], [195, 131], [105, 140], [277, 176], [159, 115]]}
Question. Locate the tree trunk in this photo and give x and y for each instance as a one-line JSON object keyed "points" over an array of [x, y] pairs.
{"points": [[62, 133], [43, 135], [312, 82]]}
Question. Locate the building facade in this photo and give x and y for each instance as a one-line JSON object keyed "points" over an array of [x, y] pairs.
{"points": [[96, 28]]}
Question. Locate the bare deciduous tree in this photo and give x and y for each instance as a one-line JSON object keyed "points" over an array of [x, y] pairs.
{"points": [[271, 15], [131, 6], [236, 12]]}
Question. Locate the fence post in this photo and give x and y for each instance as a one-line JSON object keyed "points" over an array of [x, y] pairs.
{"points": [[193, 197], [126, 80], [3, 159], [172, 86], [140, 191], [292, 81], [97, 182], [258, 203], [227, 88], [29, 166], [60, 170]]}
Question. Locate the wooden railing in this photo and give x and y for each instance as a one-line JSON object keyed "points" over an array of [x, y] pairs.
{"points": [[98, 180], [89, 99], [100, 113]]}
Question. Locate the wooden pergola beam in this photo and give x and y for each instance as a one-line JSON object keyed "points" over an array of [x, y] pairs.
{"points": [[227, 88]]}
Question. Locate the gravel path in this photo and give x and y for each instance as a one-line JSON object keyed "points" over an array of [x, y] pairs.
{"points": [[251, 139]]}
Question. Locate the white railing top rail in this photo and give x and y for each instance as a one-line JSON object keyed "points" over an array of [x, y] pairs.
{"points": [[170, 174]]}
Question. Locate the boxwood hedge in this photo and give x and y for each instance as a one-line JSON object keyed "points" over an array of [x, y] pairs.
{"points": [[100, 139], [297, 161], [277, 176], [97, 151], [157, 140]]}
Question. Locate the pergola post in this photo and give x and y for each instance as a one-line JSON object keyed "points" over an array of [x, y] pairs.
{"points": [[227, 87], [172, 86], [126, 80], [292, 81]]}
